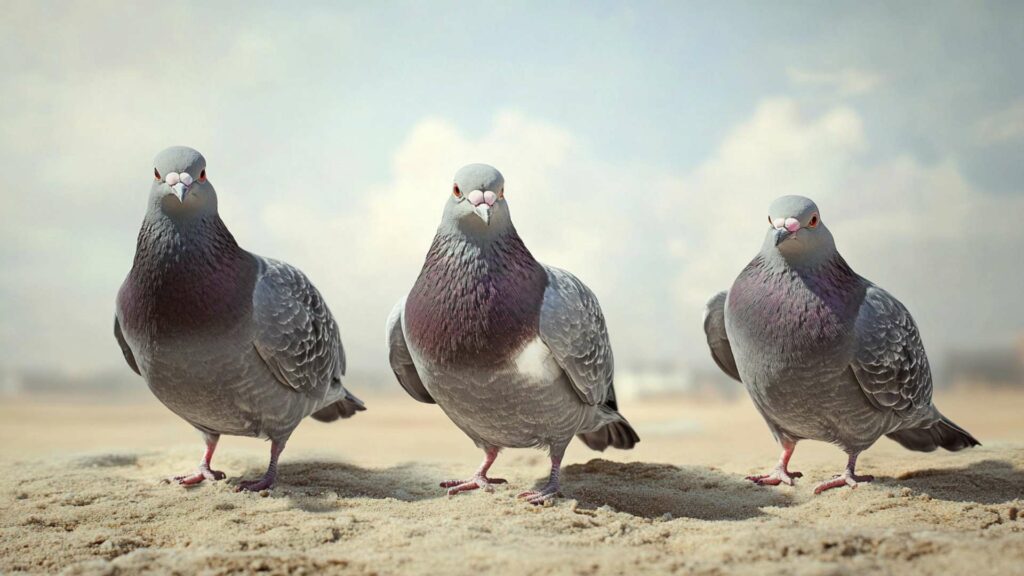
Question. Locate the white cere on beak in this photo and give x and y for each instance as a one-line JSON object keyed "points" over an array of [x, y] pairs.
{"points": [[490, 198], [792, 224], [186, 178], [475, 197], [172, 178]]}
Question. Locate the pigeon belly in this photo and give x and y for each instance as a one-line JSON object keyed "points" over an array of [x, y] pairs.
{"points": [[523, 402], [221, 385]]}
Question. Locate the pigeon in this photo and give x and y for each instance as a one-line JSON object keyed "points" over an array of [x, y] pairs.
{"points": [[824, 353], [231, 342], [514, 352]]}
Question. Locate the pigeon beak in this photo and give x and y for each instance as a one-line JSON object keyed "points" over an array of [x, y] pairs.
{"points": [[781, 234], [180, 190], [484, 212]]}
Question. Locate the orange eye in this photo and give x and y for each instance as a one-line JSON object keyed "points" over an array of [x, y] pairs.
{"points": [[202, 175], [455, 191], [156, 174], [814, 222], [502, 193]]}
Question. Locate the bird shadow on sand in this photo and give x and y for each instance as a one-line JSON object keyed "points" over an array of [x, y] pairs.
{"points": [[310, 480], [654, 490], [984, 482]]}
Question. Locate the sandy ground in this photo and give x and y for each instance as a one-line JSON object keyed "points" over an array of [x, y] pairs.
{"points": [[80, 493]]}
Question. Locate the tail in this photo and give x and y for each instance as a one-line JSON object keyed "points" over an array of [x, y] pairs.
{"points": [[344, 408], [618, 434], [942, 433]]}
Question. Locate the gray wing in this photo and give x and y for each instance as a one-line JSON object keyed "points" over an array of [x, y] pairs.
{"points": [[890, 363], [718, 340], [128, 356], [295, 333], [401, 359], [572, 326]]}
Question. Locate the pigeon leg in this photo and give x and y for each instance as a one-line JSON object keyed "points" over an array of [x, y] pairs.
{"points": [[781, 473], [479, 479], [268, 479], [847, 478], [204, 472], [552, 488]]}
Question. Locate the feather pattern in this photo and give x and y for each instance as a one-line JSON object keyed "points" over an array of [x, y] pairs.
{"points": [[890, 362], [573, 328], [296, 335]]}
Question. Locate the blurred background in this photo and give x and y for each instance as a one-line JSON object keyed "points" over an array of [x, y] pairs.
{"points": [[641, 145]]}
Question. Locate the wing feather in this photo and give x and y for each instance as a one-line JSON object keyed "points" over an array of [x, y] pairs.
{"points": [[296, 335], [718, 340], [890, 363], [572, 326], [401, 359]]}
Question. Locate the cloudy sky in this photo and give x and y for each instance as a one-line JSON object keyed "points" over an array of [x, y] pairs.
{"points": [[641, 145]]}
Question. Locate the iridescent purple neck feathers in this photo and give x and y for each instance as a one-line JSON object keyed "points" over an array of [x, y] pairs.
{"points": [[475, 302], [798, 308], [187, 276]]}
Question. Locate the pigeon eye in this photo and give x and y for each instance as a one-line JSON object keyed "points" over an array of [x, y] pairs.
{"points": [[455, 191], [501, 195], [202, 175], [814, 222], [156, 174]]}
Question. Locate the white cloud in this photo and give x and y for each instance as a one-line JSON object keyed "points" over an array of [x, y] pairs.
{"points": [[845, 82], [1006, 125]]}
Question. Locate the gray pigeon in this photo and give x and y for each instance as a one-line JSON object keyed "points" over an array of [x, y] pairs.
{"points": [[825, 354], [232, 342], [516, 353]]}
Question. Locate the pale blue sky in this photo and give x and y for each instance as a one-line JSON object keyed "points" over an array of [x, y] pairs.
{"points": [[642, 144]]}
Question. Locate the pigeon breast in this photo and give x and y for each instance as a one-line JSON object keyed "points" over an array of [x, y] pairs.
{"points": [[475, 303], [185, 282]]}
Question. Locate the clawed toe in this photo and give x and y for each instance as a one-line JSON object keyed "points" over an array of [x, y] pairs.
{"points": [[196, 477], [774, 478], [840, 480], [539, 497], [487, 484], [255, 485]]}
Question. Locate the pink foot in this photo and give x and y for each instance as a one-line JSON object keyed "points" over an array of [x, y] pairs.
{"points": [[265, 483], [539, 497], [778, 476], [478, 481], [203, 473], [845, 479]]}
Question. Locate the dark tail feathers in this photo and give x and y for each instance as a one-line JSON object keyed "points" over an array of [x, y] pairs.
{"points": [[344, 408], [943, 433], [617, 434]]}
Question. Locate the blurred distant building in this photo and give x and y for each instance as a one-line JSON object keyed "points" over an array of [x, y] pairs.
{"points": [[652, 378], [993, 367], [10, 383]]}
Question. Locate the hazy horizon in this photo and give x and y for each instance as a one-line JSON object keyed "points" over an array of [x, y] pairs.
{"points": [[641, 146]]}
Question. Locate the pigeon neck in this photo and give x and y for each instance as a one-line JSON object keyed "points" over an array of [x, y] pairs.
{"points": [[187, 276], [475, 303]]}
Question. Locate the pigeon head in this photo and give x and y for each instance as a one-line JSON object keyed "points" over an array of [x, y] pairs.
{"points": [[477, 205], [796, 231], [180, 187]]}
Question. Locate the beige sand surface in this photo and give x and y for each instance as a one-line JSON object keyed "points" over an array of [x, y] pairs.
{"points": [[80, 492]]}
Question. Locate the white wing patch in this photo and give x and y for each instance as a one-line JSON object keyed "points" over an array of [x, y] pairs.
{"points": [[536, 362]]}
